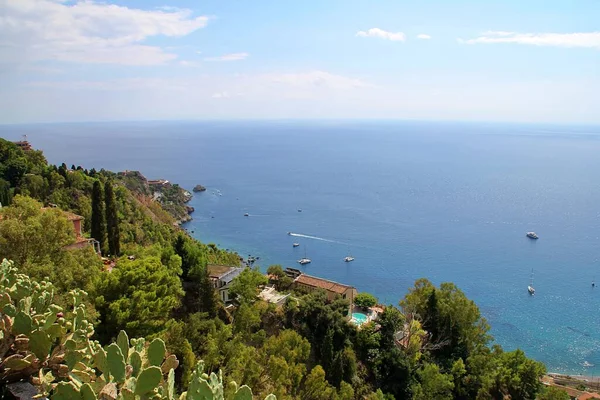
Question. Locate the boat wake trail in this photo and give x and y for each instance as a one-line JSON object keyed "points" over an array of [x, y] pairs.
{"points": [[313, 237]]}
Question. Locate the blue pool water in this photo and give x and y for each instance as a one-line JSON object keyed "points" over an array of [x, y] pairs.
{"points": [[446, 201], [359, 318]]}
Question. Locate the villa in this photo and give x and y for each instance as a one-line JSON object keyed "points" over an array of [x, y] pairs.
{"points": [[221, 277], [310, 283]]}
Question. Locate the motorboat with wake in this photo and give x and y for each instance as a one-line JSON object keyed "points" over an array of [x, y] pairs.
{"points": [[530, 288]]}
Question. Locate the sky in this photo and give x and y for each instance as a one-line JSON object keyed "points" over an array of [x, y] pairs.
{"points": [[509, 60]]}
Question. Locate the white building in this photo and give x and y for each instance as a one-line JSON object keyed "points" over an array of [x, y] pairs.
{"points": [[221, 277]]}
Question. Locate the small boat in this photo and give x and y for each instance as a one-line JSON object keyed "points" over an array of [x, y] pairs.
{"points": [[532, 235], [299, 210], [295, 244], [348, 259], [246, 214], [290, 233], [530, 288]]}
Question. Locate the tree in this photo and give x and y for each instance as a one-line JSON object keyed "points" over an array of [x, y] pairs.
{"points": [[137, 296], [200, 294], [454, 322], [189, 252], [282, 281], [36, 239], [284, 357], [112, 220], [553, 393], [244, 287], [5, 193], [516, 375], [177, 344], [393, 373], [365, 300], [98, 219], [316, 387], [28, 234], [433, 384]]}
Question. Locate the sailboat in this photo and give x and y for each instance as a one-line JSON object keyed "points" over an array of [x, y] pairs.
{"points": [[304, 260], [530, 288]]}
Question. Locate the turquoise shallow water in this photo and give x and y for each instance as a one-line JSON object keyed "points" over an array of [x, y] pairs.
{"points": [[446, 201]]}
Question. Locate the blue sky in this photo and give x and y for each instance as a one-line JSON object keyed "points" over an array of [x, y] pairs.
{"points": [[506, 60]]}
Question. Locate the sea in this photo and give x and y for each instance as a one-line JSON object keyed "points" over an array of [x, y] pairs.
{"points": [[447, 201]]}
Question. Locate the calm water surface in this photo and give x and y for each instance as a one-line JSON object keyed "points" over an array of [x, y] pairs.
{"points": [[446, 201]]}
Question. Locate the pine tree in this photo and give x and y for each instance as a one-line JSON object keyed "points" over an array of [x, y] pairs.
{"points": [[112, 220], [98, 220]]}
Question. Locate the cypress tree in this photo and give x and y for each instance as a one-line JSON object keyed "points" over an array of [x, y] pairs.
{"points": [[5, 193], [112, 220], [98, 220], [208, 301]]}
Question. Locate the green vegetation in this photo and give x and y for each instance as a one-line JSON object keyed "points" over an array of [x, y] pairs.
{"points": [[553, 393], [365, 300], [39, 342], [434, 345]]}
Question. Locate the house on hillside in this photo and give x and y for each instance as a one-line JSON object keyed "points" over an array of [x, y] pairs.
{"points": [[80, 240], [23, 144], [310, 283], [221, 277], [158, 182]]}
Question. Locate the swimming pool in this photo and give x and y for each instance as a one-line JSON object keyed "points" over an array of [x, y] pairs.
{"points": [[359, 318]]}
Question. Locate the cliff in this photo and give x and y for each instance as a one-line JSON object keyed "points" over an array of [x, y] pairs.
{"points": [[171, 196]]}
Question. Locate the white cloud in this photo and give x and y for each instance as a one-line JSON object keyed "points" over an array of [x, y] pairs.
{"points": [[222, 86], [229, 57], [423, 36], [220, 95], [186, 63], [320, 79], [380, 33], [86, 31], [581, 39]]}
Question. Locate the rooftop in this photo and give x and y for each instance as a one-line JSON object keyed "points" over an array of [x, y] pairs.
{"points": [[272, 296], [323, 283], [223, 272]]}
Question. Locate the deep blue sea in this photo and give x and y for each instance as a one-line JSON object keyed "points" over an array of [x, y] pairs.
{"points": [[445, 201]]}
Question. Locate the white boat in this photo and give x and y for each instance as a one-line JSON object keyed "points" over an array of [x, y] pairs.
{"points": [[304, 260], [532, 235], [296, 244], [246, 214], [348, 258], [530, 288]]}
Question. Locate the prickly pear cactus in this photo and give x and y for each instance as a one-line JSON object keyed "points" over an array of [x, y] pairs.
{"points": [[38, 340], [52, 349]]}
